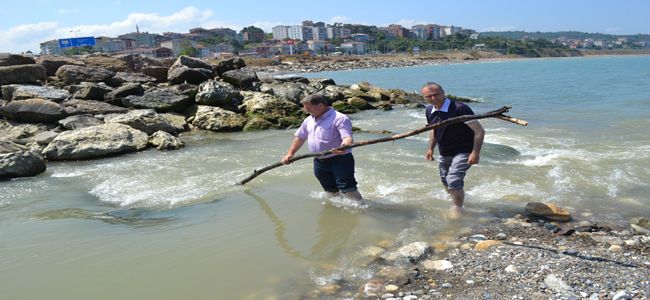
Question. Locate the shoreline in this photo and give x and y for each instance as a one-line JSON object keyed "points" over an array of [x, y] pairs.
{"points": [[303, 65], [513, 255]]}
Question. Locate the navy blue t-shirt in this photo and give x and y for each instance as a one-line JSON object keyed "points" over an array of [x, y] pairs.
{"points": [[455, 138]]}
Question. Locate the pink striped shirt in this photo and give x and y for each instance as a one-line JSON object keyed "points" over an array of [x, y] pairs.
{"points": [[325, 132]]}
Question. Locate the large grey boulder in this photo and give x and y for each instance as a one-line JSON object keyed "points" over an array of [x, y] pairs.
{"points": [[290, 91], [53, 63], [92, 91], [218, 119], [19, 132], [241, 79], [117, 95], [160, 73], [18, 161], [123, 77], [176, 120], [23, 91], [137, 62], [8, 59], [234, 63], [22, 74], [190, 62], [96, 141], [71, 74], [162, 100], [145, 120], [277, 112], [79, 121], [93, 107], [218, 93], [165, 141], [106, 62], [34, 110], [183, 74]]}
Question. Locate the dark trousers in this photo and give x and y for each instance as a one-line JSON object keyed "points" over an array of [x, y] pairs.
{"points": [[336, 173]]}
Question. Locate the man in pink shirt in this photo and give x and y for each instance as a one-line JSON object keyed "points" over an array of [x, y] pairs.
{"points": [[323, 130]]}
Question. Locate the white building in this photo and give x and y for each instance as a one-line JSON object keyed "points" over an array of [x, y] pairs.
{"points": [[354, 48], [300, 33], [280, 32], [51, 48]]}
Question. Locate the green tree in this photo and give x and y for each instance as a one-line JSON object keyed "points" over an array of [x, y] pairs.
{"points": [[190, 51]]}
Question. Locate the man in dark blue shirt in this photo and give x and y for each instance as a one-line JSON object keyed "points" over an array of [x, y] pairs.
{"points": [[459, 145]]}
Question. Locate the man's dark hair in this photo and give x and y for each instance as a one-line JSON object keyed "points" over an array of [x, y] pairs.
{"points": [[315, 99]]}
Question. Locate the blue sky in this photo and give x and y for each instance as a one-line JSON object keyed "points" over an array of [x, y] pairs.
{"points": [[30, 22]]}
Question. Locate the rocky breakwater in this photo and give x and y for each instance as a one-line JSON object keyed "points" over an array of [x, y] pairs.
{"points": [[62, 108]]}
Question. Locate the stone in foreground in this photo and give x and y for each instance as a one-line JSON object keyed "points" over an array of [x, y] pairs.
{"points": [[548, 210], [96, 141]]}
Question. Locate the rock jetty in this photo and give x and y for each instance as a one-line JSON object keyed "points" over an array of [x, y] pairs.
{"points": [[63, 108]]}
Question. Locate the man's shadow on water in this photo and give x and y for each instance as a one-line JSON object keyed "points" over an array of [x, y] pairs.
{"points": [[335, 227]]}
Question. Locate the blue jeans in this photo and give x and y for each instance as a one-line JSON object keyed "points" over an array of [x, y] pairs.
{"points": [[336, 173], [453, 170]]}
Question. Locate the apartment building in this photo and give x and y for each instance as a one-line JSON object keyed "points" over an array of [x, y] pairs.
{"points": [[280, 32], [301, 33]]}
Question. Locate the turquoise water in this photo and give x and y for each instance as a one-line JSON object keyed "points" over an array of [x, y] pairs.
{"points": [[172, 225]]}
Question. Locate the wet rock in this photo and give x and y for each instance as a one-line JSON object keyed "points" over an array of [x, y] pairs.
{"points": [[477, 238], [33, 111], [412, 252], [21, 74], [21, 92], [605, 239], [487, 244], [96, 141], [17, 161], [165, 141], [548, 210], [438, 265]]}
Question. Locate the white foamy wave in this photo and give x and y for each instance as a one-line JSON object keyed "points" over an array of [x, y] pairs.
{"points": [[68, 174], [551, 157], [561, 180], [499, 187], [417, 115]]}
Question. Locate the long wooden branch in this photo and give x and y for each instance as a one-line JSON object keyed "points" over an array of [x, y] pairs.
{"points": [[493, 114]]}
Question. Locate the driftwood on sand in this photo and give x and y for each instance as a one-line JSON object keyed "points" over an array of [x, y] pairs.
{"points": [[499, 114]]}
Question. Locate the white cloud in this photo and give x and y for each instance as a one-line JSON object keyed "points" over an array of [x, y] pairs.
{"points": [[501, 28], [28, 36]]}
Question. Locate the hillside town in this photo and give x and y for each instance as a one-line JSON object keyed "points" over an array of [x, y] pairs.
{"points": [[318, 38]]}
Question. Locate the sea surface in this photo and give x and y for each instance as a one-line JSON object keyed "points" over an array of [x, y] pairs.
{"points": [[173, 225]]}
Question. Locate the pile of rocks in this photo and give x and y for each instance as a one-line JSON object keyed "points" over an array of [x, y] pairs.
{"points": [[62, 108], [521, 257]]}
